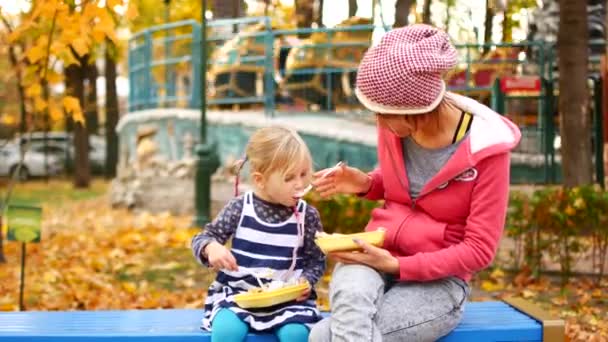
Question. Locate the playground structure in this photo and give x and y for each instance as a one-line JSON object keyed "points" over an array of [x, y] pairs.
{"points": [[255, 67]]}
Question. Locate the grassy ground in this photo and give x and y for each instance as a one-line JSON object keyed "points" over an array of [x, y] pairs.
{"points": [[95, 257]]}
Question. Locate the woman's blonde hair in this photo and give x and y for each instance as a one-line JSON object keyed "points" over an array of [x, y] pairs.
{"points": [[277, 148]]}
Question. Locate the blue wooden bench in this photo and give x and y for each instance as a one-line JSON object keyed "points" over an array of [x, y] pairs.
{"points": [[483, 321]]}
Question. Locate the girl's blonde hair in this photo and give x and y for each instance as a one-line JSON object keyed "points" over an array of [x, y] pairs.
{"points": [[277, 148]]}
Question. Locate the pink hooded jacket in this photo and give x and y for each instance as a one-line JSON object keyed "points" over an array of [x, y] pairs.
{"points": [[454, 226]]}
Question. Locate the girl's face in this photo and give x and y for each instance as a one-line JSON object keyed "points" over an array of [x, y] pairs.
{"points": [[281, 188]]}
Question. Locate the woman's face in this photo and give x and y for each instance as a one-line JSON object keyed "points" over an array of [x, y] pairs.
{"points": [[396, 124]]}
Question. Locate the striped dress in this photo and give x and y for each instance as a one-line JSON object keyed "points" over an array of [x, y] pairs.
{"points": [[258, 246]]}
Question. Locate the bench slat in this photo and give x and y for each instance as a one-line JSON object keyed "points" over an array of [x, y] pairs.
{"points": [[486, 321]]}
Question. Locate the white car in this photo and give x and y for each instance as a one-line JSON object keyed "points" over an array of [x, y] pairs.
{"points": [[33, 163]]}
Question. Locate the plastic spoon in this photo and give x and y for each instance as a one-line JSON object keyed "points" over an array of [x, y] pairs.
{"points": [[327, 173]]}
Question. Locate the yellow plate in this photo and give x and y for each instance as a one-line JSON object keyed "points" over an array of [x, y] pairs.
{"points": [[269, 298], [335, 243]]}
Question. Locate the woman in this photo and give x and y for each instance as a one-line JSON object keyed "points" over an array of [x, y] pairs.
{"points": [[444, 176]]}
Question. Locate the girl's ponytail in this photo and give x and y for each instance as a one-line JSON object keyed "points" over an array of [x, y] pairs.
{"points": [[240, 165]]}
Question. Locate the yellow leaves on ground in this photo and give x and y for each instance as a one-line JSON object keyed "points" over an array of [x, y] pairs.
{"points": [[95, 257], [581, 303]]}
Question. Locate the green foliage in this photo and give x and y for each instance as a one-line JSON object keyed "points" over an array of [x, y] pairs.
{"points": [[343, 214], [559, 223]]}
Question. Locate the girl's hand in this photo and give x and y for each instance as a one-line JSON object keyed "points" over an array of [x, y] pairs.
{"points": [[343, 180], [372, 256], [306, 293], [220, 257]]}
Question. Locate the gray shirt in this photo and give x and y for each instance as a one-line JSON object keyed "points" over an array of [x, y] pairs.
{"points": [[422, 163]]}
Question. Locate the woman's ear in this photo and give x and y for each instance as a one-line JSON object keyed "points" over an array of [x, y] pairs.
{"points": [[258, 180]]}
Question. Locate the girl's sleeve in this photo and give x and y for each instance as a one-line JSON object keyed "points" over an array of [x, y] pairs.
{"points": [[314, 259], [219, 230]]}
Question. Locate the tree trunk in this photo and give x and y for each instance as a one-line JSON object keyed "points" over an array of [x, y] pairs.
{"points": [[507, 25], [223, 8], [319, 14], [305, 12], [426, 12], [352, 8], [575, 120], [487, 32], [111, 111], [82, 170], [91, 111], [402, 12]]}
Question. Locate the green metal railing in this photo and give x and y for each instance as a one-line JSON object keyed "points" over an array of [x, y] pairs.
{"points": [[164, 71]]}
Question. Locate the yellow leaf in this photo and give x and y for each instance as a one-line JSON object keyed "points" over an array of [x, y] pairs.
{"points": [[39, 104], [114, 3], [490, 286], [72, 106], [497, 274], [129, 287], [34, 54], [33, 90], [55, 113], [132, 12], [7, 119], [49, 8], [570, 211], [98, 35], [54, 77], [78, 117], [80, 46]]}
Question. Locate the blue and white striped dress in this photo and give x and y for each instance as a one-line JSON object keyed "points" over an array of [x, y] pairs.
{"points": [[258, 246]]}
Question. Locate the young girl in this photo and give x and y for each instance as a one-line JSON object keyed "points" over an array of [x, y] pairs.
{"points": [[271, 229]]}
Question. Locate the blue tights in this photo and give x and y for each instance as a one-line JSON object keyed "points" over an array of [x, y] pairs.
{"points": [[228, 327]]}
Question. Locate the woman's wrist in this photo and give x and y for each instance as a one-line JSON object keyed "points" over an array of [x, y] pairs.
{"points": [[366, 183]]}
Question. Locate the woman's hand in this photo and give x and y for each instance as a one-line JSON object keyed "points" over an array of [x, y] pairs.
{"points": [[372, 256], [220, 257], [343, 180], [306, 293]]}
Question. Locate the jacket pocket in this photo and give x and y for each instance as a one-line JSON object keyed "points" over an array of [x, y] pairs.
{"points": [[420, 233], [391, 218]]}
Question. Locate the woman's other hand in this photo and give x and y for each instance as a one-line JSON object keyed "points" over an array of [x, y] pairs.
{"points": [[220, 257], [343, 180], [372, 256]]}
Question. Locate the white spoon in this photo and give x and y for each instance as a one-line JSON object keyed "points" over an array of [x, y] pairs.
{"points": [[327, 173]]}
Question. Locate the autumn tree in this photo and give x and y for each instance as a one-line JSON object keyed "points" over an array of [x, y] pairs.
{"points": [[575, 119], [402, 12]]}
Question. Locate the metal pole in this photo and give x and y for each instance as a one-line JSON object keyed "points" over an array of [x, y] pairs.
{"points": [[207, 161], [167, 46], [22, 285]]}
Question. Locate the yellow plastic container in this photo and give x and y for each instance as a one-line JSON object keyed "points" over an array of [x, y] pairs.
{"points": [[340, 242], [269, 298]]}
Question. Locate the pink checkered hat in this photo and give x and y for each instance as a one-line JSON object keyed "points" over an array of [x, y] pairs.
{"points": [[403, 74]]}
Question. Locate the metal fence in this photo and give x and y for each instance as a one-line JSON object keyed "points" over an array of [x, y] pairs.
{"points": [[314, 70]]}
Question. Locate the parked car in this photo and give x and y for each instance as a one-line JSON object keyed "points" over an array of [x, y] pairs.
{"points": [[64, 141], [33, 162]]}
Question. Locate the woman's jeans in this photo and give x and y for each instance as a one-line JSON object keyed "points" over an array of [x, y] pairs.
{"points": [[368, 306]]}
